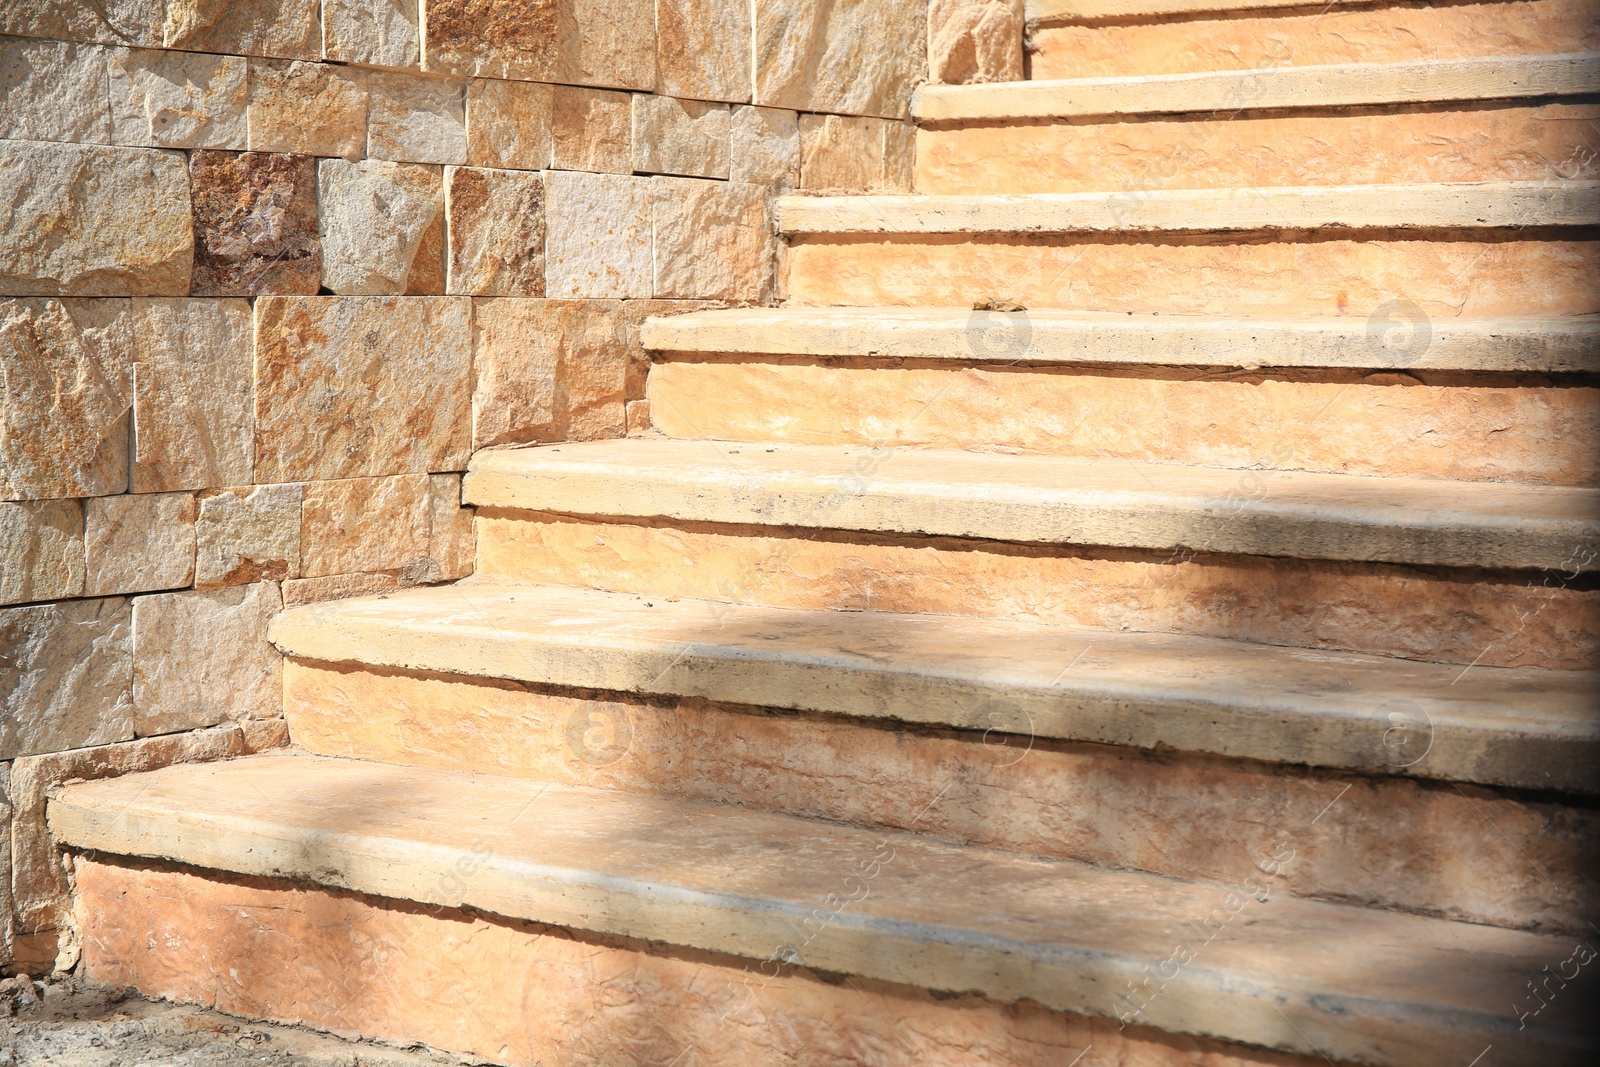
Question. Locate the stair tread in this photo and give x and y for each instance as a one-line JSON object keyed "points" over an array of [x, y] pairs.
{"points": [[1050, 499], [1517, 727], [1086, 10], [1050, 335], [1420, 205], [1205, 93], [1350, 983]]}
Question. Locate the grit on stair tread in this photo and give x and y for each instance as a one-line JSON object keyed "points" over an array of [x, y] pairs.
{"points": [[1049, 499], [1350, 983], [1525, 728]]}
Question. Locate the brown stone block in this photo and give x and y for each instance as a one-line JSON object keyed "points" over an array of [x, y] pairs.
{"points": [[843, 154], [333, 402], [591, 129], [54, 91], [319, 109], [764, 147], [67, 678], [64, 397], [101, 21], [450, 538], [302, 591], [975, 40], [597, 235], [202, 658], [581, 42], [255, 224], [416, 118], [249, 534], [549, 370], [713, 240], [138, 541], [288, 29], [703, 49], [509, 124], [496, 232], [178, 99], [685, 137], [365, 524], [852, 59], [379, 33], [382, 227], [41, 550]]}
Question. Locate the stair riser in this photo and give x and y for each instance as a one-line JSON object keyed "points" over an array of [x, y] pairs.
{"points": [[1520, 620], [1387, 842], [1482, 143], [1471, 274], [409, 973], [1384, 34], [1387, 424]]}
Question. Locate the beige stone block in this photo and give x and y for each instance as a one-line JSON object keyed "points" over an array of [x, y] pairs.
{"points": [[840, 153], [634, 313], [638, 417], [450, 537], [899, 157], [191, 393], [64, 397], [680, 137], [713, 240], [68, 671], [975, 41], [549, 370], [255, 223], [304, 591], [333, 402], [509, 124], [263, 735], [591, 129], [580, 42], [416, 118], [764, 147], [496, 232], [380, 226], [178, 99], [860, 58], [91, 220], [364, 524], [286, 29], [703, 49], [202, 658], [248, 534], [54, 91], [378, 33], [101, 21], [316, 108], [597, 235], [41, 550], [137, 542]]}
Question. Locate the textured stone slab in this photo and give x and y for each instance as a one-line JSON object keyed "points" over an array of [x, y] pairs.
{"points": [[287, 29], [591, 130], [842, 153], [192, 385], [202, 658], [248, 534], [581, 42], [549, 370], [54, 91], [713, 240], [137, 542], [365, 524], [378, 33], [635, 313], [130, 236], [319, 109], [303, 591], [102, 21], [382, 227], [331, 402], [509, 124], [703, 49], [67, 678], [178, 99], [415, 118], [685, 137], [450, 535], [764, 147], [255, 224], [597, 235], [975, 40], [496, 232], [853, 59], [41, 550], [64, 397]]}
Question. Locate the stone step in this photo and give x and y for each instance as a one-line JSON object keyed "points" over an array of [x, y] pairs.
{"points": [[1300, 976]]}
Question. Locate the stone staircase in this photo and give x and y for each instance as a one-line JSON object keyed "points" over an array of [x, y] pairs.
{"points": [[1185, 658]]}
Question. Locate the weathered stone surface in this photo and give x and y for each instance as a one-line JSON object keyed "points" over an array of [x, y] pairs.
{"points": [[975, 40], [248, 534], [450, 538], [102, 21], [191, 393], [91, 220], [496, 232], [509, 124], [53, 91], [41, 551], [861, 58], [634, 313], [332, 402], [597, 235], [64, 397], [316, 108], [680, 137], [843, 154], [703, 49], [138, 541], [591, 129], [764, 147], [67, 672], [382, 227], [415, 118], [303, 591], [255, 224], [379, 33], [202, 658], [364, 524], [178, 99], [582, 42], [287, 29], [638, 417], [713, 240], [549, 370]]}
